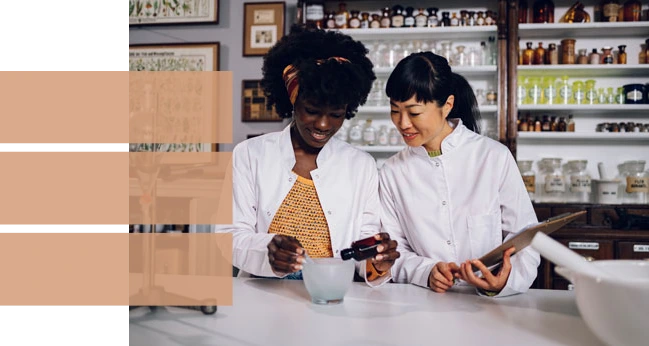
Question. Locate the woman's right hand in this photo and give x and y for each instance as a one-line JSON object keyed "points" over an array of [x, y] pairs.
{"points": [[285, 254], [441, 276]]}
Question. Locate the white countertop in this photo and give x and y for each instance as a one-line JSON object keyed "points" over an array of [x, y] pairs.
{"points": [[280, 312]]}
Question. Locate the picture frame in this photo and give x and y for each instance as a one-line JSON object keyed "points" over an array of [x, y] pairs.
{"points": [[254, 107], [263, 26], [201, 56], [170, 12]]}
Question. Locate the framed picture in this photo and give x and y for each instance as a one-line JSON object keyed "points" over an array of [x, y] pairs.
{"points": [[176, 57], [253, 103], [263, 26], [165, 12]]}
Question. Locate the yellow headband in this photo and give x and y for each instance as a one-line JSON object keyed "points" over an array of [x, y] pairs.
{"points": [[291, 81]]}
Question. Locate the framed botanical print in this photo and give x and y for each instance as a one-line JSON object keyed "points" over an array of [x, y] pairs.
{"points": [[263, 26], [165, 12], [253, 103]]}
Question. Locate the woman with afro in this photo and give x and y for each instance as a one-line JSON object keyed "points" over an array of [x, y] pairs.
{"points": [[302, 191]]}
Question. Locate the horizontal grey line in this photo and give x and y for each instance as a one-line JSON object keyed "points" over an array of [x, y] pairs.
{"points": [[63, 146], [63, 229], [63, 67], [63, 308]]}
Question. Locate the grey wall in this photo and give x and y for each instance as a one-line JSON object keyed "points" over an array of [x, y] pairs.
{"points": [[229, 32]]}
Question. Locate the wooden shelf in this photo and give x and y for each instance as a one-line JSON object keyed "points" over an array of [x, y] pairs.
{"points": [[584, 70], [475, 33], [588, 136], [583, 30]]}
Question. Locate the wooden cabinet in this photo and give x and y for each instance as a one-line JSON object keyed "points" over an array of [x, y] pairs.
{"points": [[593, 237]]}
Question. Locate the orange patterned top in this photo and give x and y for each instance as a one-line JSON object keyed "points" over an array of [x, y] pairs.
{"points": [[301, 216]]}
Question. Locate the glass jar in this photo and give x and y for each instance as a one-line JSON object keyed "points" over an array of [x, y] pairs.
{"points": [[480, 97], [385, 17], [543, 11], [636, 183], [610, 10], [433, 20], [591, 94], [314, 13], [421, 19], [607, 55], [539, 55], [375, 23], [550, 94], [529, 177], [553, 179], [331, 20], [455, 21], [369, 133], [552, 55], [521, 90], [534, 91], [342, 16], [384, 136], [578, 93], [461, 58], [394, 137], [568, 51], [580, 181], [594, 57], [582, 58], [354, 20], [446, 51], [397, 16], [565, 91], [446, 20], [409, 20], [355, 134], [492, 97], [365, 20], [621, 55]]}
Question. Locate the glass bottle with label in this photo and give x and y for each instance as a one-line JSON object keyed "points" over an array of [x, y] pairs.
{"points": [[461, 58], [480, 97], [454, 20], [355, 133], [409, 20], [314, 13], [543, 11], [594, 57], [446, 20], [610, 96], [607, 55], [331, 20], [342, 16], [602, 97], [554, 180], [369, 133], [539, 55], [565, 91], [621, 55], [563, 126], [384, 136], [582, 58], [394, 137], [365, 20], [550, 94], [354, 20], [632, 11], [385, 18], [446, 51], [580, 181], [571, 123], [489, 18], [591, 94], [534, 91], [421, 19], [492, 97], [433, 20], [578, 93], [529, 177], [521, 90], [343, 132], [375, 23], [552, 55], [620, 97], [528, 54], [480, 19], [610, 10], [397, 16], [637, 183]]}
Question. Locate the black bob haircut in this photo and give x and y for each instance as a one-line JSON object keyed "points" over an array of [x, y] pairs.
{"points": [[329, 84], [429, 77]]}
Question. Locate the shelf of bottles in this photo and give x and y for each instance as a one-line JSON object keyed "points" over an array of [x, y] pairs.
{"points": [[385, 109], [598, 109], [593, 30], [588, 136], [600, 70], [449, 33]]}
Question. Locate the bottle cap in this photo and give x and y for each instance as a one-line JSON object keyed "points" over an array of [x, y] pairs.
{"points": [[347, 254]]}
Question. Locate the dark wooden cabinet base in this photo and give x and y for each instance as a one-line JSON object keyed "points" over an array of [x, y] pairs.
{"points": [[595, 236]]}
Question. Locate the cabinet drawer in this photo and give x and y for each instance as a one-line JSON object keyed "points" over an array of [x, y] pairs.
{"points": [[597, 249], [632, 250]]}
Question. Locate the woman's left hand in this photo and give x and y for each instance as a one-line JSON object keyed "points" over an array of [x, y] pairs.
{"points": [[488, 281], [387, 252]]}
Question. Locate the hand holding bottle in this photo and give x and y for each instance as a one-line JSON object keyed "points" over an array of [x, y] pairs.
{"points": [[380, 249]]}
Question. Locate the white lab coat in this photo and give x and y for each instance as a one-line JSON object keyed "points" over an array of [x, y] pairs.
{"points": [[454, 207], [346, 182]]}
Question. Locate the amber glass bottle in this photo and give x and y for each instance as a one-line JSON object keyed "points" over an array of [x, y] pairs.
{"points": [[314, 13], [539, 55], [543, 11], [632, 11], [610, 10], [528, 54]]}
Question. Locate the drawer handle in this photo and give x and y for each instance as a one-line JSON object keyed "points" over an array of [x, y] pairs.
{"points": [[583, 245], [640, 248]]}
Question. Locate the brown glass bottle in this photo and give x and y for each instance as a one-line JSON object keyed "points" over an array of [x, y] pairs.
{"points": [[314, 13], [385, 18], [539, 55], [554, 124], [571, 123], [342, 16], [375, 23], [409, 19], [361, 249], [563, 126], [621, 55], [397, 16], [545, 125], [530, 123], [610, 10], [538, 127], [523, 125], [543, 11], [632, 11], [331, 20], [354, 20], [421, 19], [365, 20], [528, 54], [522, 11], [552, 55]]}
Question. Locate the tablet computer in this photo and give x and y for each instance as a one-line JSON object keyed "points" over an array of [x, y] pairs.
{"points": [[525, 236]]}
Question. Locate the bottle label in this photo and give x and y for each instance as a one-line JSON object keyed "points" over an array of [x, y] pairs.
{"points": [[433, 21], [385, 22], [383, 139], [315, 12], [369, 136], [331, 24], [394, 140], [579, 96], [637, 184], [591, 96], [550, 93], [365, 24], [555, 183], [397, 21], [530, 183], [354, 23], [535, 94], [355, 134], [420, 21], [521, 93], [375, 24], [409, 21], [489, 21], [580, 183], [564, 92], [608, 59], [634, 95], [455, 22], [341, 20], [480, 21]]}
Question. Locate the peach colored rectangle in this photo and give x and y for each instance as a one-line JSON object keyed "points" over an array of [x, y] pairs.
{"points": [[64, 107], [192, 188], [63, 269], [64, 188], [180, 107], [192, 269]]}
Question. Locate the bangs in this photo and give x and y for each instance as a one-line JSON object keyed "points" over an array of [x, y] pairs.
{"points": [[412, 77]]}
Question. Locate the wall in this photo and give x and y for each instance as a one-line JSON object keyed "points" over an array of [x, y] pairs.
{"points": [[229, 32]]}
